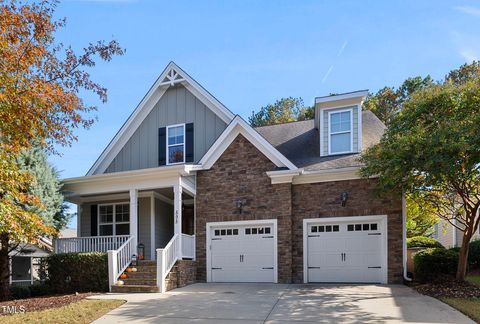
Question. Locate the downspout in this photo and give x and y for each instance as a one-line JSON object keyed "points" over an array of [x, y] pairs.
{"points": [[404, 224]]}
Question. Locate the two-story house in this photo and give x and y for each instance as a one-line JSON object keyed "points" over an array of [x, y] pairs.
{"points": [[187, 179]]}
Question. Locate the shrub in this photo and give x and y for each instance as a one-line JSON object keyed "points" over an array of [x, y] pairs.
{"points": [[19, 292], [435, 263], [78, 272], [40, 289], [423, 242], [474, 254]]}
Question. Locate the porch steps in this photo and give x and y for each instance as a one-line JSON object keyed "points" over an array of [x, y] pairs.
{"points": [[144, 280]]}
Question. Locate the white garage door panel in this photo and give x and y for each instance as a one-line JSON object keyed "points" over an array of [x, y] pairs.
{"points": [[346, 251], [242, 253]]}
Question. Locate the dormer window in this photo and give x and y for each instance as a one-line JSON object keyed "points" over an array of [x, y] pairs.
{"points": [[176, 144], [340, 131]]}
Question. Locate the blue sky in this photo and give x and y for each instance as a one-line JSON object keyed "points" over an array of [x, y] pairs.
{"points": [[250, 53]]}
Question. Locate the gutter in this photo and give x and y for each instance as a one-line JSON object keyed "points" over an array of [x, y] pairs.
{"points": [[404, 240]]}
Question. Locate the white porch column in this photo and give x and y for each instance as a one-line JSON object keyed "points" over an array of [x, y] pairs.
{"points": [[177, 212], [134, 217], [79, 216]]}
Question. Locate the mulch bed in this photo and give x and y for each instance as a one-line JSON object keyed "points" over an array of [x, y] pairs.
{"points": [[449, 288], [44, 302]]}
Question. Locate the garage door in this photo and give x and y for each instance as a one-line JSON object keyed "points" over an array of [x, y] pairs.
{"points": [[348, 251], [242, 253]]}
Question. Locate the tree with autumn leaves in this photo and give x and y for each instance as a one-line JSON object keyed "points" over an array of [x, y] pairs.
{"points": [[40, 82]]}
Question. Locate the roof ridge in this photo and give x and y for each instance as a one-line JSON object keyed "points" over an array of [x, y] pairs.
{"points": [[289, 122]]}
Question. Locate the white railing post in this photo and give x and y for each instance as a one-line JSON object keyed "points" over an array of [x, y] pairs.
{"points": [[160, 270], [112, 268]]}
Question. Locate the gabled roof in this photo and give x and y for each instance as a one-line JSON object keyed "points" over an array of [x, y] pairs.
{"points": [[171, 76], [236, 127]]}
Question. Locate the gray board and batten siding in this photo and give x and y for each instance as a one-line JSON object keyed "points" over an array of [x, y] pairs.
{"points": [[176, 106]]}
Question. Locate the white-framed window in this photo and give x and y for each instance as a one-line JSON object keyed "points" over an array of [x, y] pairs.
{"points": [[176, 144], [114, 219], [340, 131]]}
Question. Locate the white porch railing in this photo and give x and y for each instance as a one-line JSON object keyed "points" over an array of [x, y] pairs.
{"points": [[89, 243], [188, 246], [119, 259], [166, 259]]}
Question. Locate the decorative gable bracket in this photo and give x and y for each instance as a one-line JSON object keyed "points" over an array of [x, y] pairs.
{"points": [[171, 78]]}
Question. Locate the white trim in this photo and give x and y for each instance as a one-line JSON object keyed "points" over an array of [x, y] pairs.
{"points": [[154, 94], [359, 127], [330, 113], [144, 179], [113, 222], [344, 96], [168, 145], [321, 131], [383, 219], [272, 222], [283, 176], [236, 127], [350, 173]]}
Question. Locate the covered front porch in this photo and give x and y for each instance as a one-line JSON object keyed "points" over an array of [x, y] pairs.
{"points": [[149, 214]]}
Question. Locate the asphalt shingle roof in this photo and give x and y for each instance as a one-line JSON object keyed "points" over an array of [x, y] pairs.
{"points": [[299, 142]]}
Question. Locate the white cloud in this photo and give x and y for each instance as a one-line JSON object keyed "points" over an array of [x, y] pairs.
{"points": [[468, 10], [327, 74], [469, 54], [340, 51], [467, 45]]}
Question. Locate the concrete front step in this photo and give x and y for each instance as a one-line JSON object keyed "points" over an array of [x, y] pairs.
{"points": [[134, 289]]}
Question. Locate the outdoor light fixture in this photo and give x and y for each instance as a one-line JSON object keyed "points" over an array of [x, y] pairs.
{"points": [[343, 198], [240, 203]]}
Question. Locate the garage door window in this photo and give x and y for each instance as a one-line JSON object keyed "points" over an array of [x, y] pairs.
{"points": [[226, 231], [257, 230], [362, 227], [325, 228]]}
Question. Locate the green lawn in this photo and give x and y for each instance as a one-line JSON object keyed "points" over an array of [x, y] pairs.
{"points": [[474, 279], [84, 311], [468, 306]]}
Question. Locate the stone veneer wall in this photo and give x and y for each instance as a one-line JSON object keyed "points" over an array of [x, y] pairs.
{"points": [[316, 200], [186, 272], [240, 174]]}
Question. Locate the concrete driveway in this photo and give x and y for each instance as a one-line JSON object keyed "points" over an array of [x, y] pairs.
{"points": [[276, 303]]}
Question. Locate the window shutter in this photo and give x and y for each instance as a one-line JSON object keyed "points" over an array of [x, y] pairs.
{"points": [[189, 142], [162, 146], [94, 220]]}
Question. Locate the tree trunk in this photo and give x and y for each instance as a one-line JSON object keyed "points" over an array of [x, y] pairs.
{"points": [[463, 257], [4, 267]]}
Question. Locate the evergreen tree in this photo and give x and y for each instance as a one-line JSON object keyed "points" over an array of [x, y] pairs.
{"points": [[46, 186]]}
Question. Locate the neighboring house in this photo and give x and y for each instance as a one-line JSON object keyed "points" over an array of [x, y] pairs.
{"points": [[25, 262], [189, 180], [449, 235], [68, 232]]}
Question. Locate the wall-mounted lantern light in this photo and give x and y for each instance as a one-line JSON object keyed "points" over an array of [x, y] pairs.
{"points": [[343, 198], [240, 203]]}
